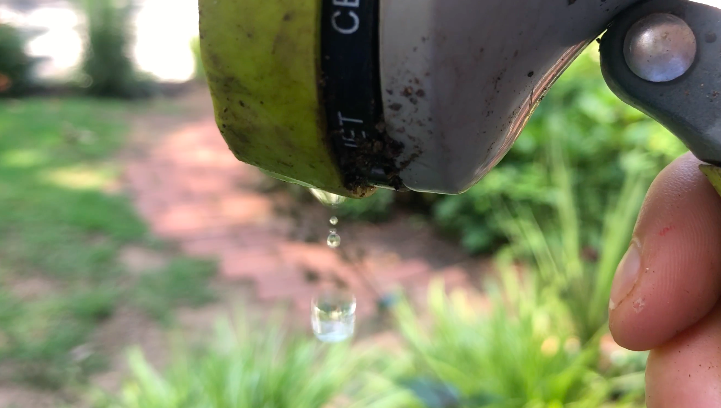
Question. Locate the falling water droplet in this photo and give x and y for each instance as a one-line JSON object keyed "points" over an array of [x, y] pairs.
{"points": [[333, 316], [332, 312], [333, 239], [327, 198]]}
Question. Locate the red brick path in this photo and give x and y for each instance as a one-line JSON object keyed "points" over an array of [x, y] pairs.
{"points": [[191, 189]]}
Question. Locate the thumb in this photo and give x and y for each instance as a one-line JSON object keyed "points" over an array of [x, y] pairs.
{"points": [[670, 278]]}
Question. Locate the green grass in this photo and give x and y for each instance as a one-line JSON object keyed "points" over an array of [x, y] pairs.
{"points": [[243, 367], [59, 226], [182, 282]]}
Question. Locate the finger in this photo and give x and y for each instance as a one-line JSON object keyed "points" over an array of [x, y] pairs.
{"points": [[686, 372], [671, 275]]}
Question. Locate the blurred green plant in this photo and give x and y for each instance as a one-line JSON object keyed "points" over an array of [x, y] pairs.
{"points": [[512, 356], [375, 208], [199, 67], [15, 65], [519, 353], [601, 135], [573, 259], [106, 62], [247, 367]]}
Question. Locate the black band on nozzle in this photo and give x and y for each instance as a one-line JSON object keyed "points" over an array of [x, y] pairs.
{"points": [[350, 85]]}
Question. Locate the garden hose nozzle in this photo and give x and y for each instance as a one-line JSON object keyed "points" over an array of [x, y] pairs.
{"points": [[427, 95]]}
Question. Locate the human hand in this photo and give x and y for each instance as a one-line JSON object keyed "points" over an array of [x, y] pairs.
{"points": [[665, 295]]}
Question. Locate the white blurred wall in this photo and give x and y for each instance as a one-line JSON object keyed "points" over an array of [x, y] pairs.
{"points": [[163, 31]]}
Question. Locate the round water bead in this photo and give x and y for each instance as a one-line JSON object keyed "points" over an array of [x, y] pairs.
{"points": [[334, 220], [327, 198], [333, 316], [333, 239]]}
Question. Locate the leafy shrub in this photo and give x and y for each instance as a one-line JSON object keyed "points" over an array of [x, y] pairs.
{"points": [[574, 259], [601, 135], [504, 358], [246, 367], [15, 65], [106, 61], [520, 353]]}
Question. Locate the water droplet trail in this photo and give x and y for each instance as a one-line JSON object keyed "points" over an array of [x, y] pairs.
{"points": [[333, 311], [333, 237]]}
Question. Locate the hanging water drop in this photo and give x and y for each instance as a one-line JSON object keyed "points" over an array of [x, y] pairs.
{"points": [[327, 198], [333, 239], [334, 220], [333, 316]]}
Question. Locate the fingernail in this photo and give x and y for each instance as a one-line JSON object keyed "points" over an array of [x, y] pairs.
{"points": [[626, 275]]}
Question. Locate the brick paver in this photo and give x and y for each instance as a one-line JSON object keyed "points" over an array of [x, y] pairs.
{"points": [[191, 189]]}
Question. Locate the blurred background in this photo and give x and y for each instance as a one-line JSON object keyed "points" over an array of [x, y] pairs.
{"points": [[141, 265]]}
